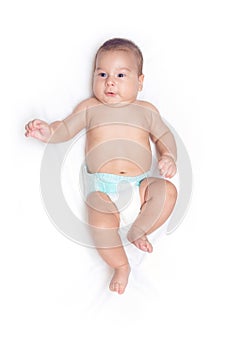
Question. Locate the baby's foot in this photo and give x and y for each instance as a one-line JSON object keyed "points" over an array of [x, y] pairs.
{"points": [[120, 279], [143, 244]]}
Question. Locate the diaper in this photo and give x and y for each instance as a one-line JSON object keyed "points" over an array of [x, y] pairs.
{"points": [[122, 190]]}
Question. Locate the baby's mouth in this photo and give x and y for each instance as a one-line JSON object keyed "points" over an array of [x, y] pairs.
{"points": [[110, 93]]}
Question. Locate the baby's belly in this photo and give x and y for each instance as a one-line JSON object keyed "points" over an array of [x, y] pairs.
{"points": [[122, 167], [121, 157]]}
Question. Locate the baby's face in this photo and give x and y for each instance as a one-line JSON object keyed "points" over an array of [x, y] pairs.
{"points": [[116, 77]]}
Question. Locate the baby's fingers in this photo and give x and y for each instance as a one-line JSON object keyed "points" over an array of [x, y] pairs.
{"points": [[33, 124], [171, 171], [32, 127], [163, 170], [37, 124], [167, 168], [28, 129], [163, 165]]}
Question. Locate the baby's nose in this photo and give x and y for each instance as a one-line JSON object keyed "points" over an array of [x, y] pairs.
{"points": [[110, 80]]}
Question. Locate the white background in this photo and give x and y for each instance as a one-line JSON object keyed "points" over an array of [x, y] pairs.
{"points": [[47, 299]]}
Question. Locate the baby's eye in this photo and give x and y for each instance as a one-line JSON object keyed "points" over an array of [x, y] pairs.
{"points": [[121, 75], [102, 75]]}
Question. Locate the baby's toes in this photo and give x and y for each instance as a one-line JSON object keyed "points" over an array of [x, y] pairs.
{"points": [[115, 287]]}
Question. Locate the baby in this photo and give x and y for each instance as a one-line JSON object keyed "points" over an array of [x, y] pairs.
{"points": [[118, 155]]}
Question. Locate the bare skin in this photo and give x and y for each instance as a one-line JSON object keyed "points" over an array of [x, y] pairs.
{"points": [[143, 244], [118, 143], [120, 279], [104, 220]]}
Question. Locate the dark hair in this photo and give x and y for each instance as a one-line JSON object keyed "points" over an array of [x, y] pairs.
{"points": [[124, 45]]}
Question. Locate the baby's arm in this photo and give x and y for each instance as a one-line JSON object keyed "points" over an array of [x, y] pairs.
{"points": [[165, 143], [166, 147], [48, 133], [59, 131]]}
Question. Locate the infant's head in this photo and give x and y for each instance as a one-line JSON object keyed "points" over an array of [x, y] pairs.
{"points": [[119, 44], [118, 71]]}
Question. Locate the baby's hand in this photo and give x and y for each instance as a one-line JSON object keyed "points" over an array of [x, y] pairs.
{"points": [[38, 129], [167, 166]]}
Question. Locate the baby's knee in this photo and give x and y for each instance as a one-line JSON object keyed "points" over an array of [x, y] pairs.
{"points": [[171, 191]]}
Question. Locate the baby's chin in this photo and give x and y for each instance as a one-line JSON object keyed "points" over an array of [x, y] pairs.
{"points": [[115, 100]]}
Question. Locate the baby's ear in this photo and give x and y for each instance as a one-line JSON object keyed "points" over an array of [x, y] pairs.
{"points": [[140, 81]]}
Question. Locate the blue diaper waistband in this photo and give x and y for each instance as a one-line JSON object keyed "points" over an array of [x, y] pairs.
{"points": [[108, 183]]}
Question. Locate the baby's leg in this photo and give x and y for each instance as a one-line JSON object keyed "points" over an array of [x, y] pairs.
{"points": [[158, 199], [104, 224]]}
